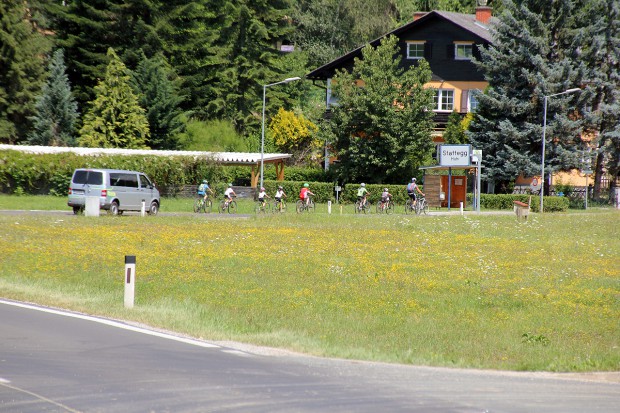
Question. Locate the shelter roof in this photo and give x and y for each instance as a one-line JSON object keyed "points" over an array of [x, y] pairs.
{"points": [[230, 158]]}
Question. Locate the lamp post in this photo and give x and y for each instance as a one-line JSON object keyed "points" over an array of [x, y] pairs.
{"points": [[262, 138], [542, 162]]}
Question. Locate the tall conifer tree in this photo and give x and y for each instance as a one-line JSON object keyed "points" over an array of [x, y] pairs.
{"points": [[600, 20], [56, 109], [22, 71], [115, 119], [532, 56], [154, 83]]}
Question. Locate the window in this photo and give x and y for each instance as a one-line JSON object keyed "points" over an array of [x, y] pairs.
{"points": [[415, 50], [463, 51], [472, 100], [444, 100]]}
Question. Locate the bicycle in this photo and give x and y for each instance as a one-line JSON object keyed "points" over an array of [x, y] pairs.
{"points": [[301, 206], [410, 207], [200, 205], [279, 206], [421, 206], [362, 206], [387, 207], [263, 207], [228, 206]]}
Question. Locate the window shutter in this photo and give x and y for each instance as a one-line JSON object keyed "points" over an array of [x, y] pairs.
{"points": [[450, 51], [464, 95], [428, 50]]}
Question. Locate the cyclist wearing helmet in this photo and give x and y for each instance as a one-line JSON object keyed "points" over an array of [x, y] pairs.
{"points": [[305, 193], [228, 195], [261, 196], [279, 194], [385, 196], [412, 187], [362, 194], [204, 189]]}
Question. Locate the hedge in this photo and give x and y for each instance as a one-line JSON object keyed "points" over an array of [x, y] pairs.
{"points": [[506, 201], [43, 174]]}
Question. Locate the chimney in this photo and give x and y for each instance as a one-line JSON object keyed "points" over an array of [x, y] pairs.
{"points": [[483, 14], [418, 14]]}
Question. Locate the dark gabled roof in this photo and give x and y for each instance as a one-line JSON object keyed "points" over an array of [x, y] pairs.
{"points": [[465, 21]]}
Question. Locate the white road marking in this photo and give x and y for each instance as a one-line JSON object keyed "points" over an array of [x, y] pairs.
{"points": [[38, 396], [112, 323]]}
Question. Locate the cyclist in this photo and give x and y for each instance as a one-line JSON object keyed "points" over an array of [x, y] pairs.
{"points": [[228, 195], [204, 189], [305, 193], [412, 187], [385, 198], [362, 193], [261, 197], [279, 195]]}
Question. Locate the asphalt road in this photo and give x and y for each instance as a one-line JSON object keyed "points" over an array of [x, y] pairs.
{"points": [[51, 361]]}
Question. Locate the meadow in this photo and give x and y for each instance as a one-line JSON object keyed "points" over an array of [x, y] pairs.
{"points": [[478, 291]]}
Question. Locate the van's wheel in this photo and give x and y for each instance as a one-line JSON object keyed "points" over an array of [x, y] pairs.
{"points": [[154, 208], [114, 208], [77, 210]]}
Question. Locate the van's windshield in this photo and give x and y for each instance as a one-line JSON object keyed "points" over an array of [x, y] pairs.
{"points": [[88, 177]]}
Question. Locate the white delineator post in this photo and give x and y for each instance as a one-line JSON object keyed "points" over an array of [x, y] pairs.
{"points": [[130, 280], [329, 207]]}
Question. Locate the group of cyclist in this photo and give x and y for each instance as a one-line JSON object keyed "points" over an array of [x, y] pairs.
{"points": [[304, 194], [412, 191]]}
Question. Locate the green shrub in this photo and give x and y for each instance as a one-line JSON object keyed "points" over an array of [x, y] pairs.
{"points": [[506, 201]]}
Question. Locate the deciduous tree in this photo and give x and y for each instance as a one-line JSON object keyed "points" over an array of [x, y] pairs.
{"points": [[381, 129]]}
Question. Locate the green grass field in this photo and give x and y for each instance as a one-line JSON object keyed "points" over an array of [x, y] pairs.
{"points": [[479, 291]]}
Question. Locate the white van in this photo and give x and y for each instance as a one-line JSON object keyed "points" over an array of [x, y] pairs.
{"points": [[116, 189]]}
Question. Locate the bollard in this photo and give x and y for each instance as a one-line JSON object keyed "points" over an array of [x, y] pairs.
{"points": [[130, 280], [92, 206], [329, 207], [461, 208], [340, 209], [143, 210]]}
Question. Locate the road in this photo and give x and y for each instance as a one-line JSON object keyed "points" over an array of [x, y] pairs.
{"points": [[53, 361]]}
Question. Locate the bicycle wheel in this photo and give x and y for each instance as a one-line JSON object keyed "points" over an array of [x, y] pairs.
{"points": [[232, 207], [366, 207], [390, 208], [408, 207], [311, 206], [198, 205], [378, 207], [418, 210], [267, 207], [358, 207], [222, 206], [299, 206], [208, 206], [424, 206]]}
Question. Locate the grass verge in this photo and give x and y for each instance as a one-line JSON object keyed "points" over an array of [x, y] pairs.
{"points": [[483, 291]]}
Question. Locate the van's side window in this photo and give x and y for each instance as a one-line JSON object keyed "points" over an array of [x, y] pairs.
{"points": [[126, 180]]}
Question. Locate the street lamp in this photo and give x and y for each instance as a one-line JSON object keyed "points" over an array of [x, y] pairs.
{"points": [[262, 139], [542, 163]]}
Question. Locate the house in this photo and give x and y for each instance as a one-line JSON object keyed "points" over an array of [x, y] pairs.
{"points": [[448, 41]]}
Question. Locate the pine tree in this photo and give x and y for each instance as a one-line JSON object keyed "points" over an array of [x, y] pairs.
{"points": [[56, 110], [22, 71], [530, 59], [601, 55], [86, 29], [115, 119], [154, 83], [381, 132], [244, 58]]}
